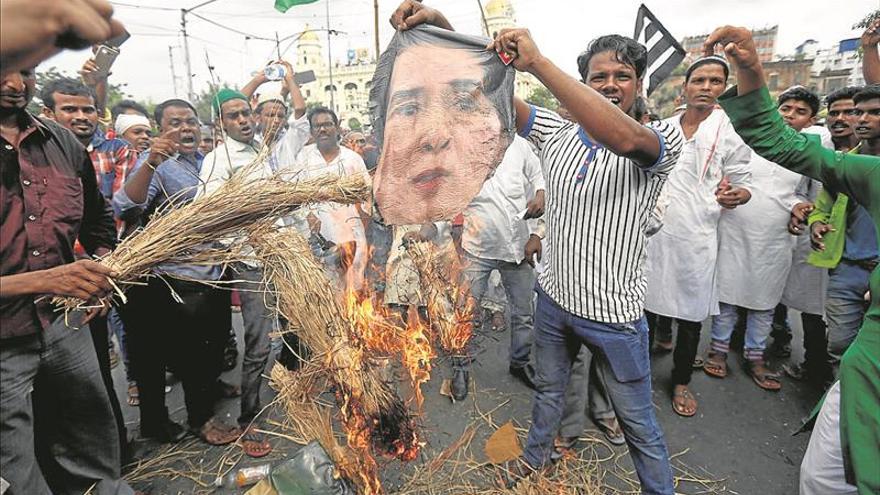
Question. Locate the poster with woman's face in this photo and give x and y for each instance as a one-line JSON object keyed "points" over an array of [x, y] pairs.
{"points": [[442, 108]]}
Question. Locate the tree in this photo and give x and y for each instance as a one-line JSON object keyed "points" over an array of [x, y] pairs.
{"points": [[542, 97], [115, 92], [867, 20], [354, 124]]}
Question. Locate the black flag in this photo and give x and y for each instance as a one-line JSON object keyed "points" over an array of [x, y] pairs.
{"points": [[664, 52]]}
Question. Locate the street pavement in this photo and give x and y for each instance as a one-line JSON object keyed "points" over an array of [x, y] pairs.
{"points": [[741, 435]]}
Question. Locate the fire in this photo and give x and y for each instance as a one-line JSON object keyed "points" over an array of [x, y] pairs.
{"points": [[417, 354], [450, 305], [375, 327]]}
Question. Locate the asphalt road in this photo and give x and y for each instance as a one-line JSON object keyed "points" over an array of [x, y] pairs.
{"points": [[741, 435]]}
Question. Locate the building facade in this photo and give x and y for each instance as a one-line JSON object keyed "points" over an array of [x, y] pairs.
{"points": [[765, 42], [349, 91]]}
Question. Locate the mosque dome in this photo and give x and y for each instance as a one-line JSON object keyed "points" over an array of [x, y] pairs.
{"points": [[498, 8], [309, 35]]}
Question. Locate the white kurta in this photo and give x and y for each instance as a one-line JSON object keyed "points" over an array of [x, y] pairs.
{"points": [[806, 285], [339, 223], [755, 248], [680, 265]]}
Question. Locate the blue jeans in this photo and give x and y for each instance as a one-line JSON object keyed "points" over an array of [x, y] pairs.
{"points": [[845, 306], [519, 284], [758, 327], [621, 351]]}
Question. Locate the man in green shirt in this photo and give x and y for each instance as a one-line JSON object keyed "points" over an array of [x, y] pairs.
{"points": [[844, 451]]}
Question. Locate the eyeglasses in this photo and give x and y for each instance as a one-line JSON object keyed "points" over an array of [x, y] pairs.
{"points": [[324, 125]]}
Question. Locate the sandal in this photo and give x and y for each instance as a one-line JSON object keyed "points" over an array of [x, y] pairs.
{"points": [[134, 396], [254, 443], [512, 472], [698, 363], [562, 446], [216, 432], [763, 376], [610, 428], [663, 347], [680, 408], [716, 364]]}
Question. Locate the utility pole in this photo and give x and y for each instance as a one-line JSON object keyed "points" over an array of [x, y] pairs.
{"points": [[483, 16], [173, 74], [189, 74], [190, 94], [376, 25], [330, 60]]}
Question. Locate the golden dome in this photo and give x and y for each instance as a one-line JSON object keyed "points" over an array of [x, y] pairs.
{"points": [[498, 8], [308, 35]]}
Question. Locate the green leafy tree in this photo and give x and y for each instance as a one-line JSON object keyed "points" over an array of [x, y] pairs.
{"points": [[542, 97]]}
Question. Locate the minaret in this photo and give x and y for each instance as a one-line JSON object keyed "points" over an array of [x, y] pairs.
{"points": [[499, 15], [308, 51]]}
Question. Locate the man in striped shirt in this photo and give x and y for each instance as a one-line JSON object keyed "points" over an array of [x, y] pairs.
{"points": [[603, 174]]}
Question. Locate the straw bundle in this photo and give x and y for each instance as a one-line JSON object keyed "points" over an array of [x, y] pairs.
{"points": [[306, 299], [181, 234], [309, 420], [450, 306]]}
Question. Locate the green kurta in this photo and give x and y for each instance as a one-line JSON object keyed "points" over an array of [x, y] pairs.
{"points": [[756, 120]]}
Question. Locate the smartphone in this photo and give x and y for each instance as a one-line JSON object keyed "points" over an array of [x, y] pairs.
{"points": [[104, 58], [118, 40], [305, 77]]}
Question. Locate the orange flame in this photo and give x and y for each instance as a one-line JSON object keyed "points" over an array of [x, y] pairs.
{"points": [[417, 354]]}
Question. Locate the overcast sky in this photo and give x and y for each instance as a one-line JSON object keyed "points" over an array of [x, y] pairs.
{"points": [[561, 28]]}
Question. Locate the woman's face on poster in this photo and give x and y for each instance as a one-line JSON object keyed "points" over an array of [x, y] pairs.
{"points": [[443, 136]]}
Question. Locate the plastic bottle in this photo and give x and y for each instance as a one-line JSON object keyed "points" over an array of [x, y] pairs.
{"points": [[244, 476], [274, 72]]}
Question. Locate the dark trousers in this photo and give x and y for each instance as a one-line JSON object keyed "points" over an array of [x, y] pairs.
{"points": [[56, 425], [100, 336], [187, 336], [816, 360], [687, 343]]}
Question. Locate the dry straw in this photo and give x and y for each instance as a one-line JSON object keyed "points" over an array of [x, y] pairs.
{"points": [[190, 233]]}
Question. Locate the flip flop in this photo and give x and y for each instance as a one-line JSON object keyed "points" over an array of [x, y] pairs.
{"points": [[255, 444], [763, 377], [216, 432], [716, 365], [134, 398], [687, 395], [610, 428]]}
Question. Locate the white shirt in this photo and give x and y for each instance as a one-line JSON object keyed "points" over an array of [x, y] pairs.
{"points": [[680, 267], [493, 221], [290, 143], [225, 160], [339, 223], [755, 247], [598, 205]]}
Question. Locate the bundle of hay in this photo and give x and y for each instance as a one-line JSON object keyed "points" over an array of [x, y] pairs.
{"points": [[371, 408], [450, 305], [189, 233]]}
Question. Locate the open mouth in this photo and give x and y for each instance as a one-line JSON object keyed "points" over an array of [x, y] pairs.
{"points": [[613, 99], [863, 129], [188, 139], [429, 180]]}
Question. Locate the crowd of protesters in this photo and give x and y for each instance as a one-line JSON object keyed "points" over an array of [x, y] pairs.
{"points": [[597, 235]]}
